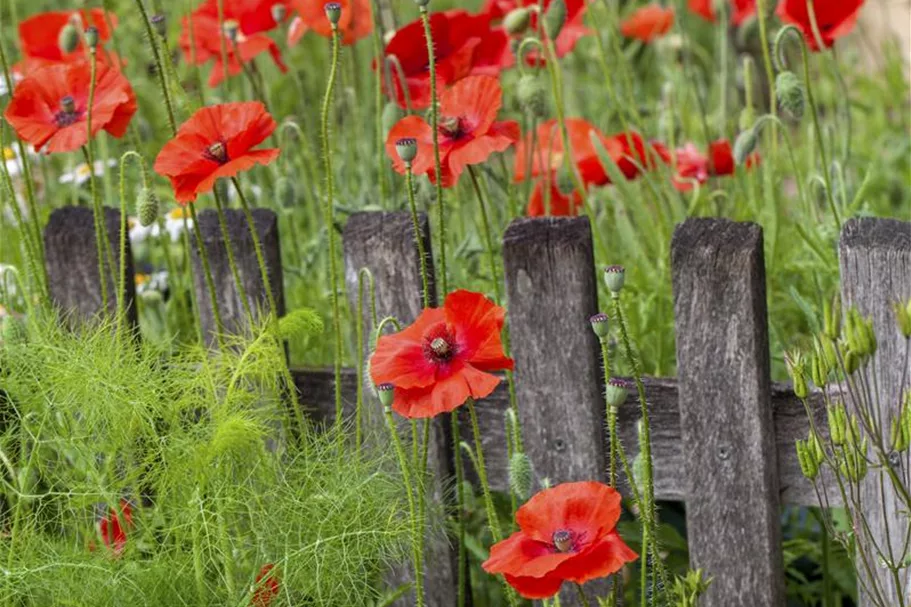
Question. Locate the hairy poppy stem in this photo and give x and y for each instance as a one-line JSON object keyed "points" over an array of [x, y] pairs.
{"points": [[330, 224], [31, 257], [159, 64], [232, 263], [418, 235], [97, 209], [257, 248], [582, 597], [362, 275], [762, 14], [210, 283], [378, 100], [488, 237], [122, 274]]}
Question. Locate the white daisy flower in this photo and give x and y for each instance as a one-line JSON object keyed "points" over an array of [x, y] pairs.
{"points": [[81, 174], [140, 233], [156, 281], [174, 220]]}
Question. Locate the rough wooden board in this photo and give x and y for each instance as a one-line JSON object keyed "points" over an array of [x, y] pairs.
{"points": [[227, 294], [72, 264], [733, 508], [875, 259]]}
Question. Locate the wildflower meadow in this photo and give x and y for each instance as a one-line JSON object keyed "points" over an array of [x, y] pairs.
{"points": [[448, 304]]}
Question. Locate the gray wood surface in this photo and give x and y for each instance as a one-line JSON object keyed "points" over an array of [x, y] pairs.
{"points": [[227, 294], [875, 256], [733, 508], [385, 244], [72, 264]]}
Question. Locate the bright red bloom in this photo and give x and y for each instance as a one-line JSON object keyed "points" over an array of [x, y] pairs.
{"points": [[548, 154], [648, 23], [834, 18], [113, 527], [560, 204], [741, 10], [444, 358], [40, 34], [49, 106], [207, 40], [251, 16], [464, 45], [215, 142], [266, 587], [693, 166], [355, 23], [573, 30], [566, 533], [468, 133]]}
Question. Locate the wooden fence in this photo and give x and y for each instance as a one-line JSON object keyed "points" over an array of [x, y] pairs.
{"points": [[723, 433]]}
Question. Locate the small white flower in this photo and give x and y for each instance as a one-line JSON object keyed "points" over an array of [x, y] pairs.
{"points": [[80, 174], [156, 281], [139, 233], [174, 222], [11, 159]]}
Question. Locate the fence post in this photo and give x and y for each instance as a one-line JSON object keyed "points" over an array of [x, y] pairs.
{"points": [[72, 264], [384, 243], [227, 294], [732, 499], [552, 290], [875, 259]]}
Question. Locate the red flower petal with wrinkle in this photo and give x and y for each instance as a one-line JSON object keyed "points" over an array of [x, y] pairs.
{"points": [[560, 203], [267, 587], [834, 18], [648, 23], [113, 527], [40, 34]]}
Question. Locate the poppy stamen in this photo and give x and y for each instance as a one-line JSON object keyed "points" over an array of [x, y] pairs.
{"points": [[67, 114], [563, 540], [440, 348], [452, 127], [217, 152]]}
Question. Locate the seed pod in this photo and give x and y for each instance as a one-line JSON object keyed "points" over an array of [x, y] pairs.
{"points": [[531, 95], [68, 38], [521, 475], [616, 392], [808, 465], [599, 323], [333, 12], [279, 12], [386, 394], [517, 21], [789, 90], [836, 416], [796, 365], [407, 149], [91, 37], [615, 278], [898, 436], [814, 448], [831, 312], [148, 207], [554, 19]]}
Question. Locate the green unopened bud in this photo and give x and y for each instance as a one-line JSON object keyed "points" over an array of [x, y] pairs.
{"points": [[852, 361], [91, 37], [285, 192], [392, 113], [407, 149], [831, 314], [837, 419], [521, 475], [386, 394], [565, 179], [903, 317], [615, 278], [808, 465], [814, 448], [616, 392], [517, 21], [68, 38], [789, 90], [333, 12], [853, 434], [600, 325], [797, 369], [531, 95], [747, 118], [160, 23], [147, 207], [554, 19], [422, 3], [744, 145], [898, 436], [279, 12]]}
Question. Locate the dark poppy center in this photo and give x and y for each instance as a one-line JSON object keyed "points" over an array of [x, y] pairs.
{"points": [[439, 345], [452, 127], [217, 152], [563, 540], [67, 114]]}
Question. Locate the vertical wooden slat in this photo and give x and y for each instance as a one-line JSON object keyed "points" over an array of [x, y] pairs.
{"points": [[385, 244], [227, 294], [72, 264], [875, 259], [732, 499], [552, 290]]}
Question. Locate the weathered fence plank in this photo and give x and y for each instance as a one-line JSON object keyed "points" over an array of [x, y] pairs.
{"points": [[875, 259], [72, 264], [227, 294], [385, 244], [725, 405]]}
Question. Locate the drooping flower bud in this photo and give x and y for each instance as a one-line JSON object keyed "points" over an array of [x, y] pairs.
{"points": [[600, 325], [521, 475], [615, 278], [744, 145], [554, 19], [531, 95], [517, 21], [386, 394], [68, 38], [791, 96], [285, 192], [91, 37], [615, 392], [147, 207], [160, 23], [279, 12], [407, 149], [392, 113]]}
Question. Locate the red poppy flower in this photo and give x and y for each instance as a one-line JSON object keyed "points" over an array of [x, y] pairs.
{"points": [[566, 533], [215, 142], [40, 34], [468, 133], [113, 528], [548, 154], [560, 204], [251, 16], [266, 587], [648, 23], [741, 10], [834, 18], [573, 30], [444, 358], [464, 45], [207, 38], [693, 166], [355, 23], [49, 106]]}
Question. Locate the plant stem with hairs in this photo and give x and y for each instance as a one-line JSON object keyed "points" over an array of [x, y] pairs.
{"points": [[257, 248], [488, 237], [418, 235], [159, 64], [210, 283], [232, 263], [122, 274]]}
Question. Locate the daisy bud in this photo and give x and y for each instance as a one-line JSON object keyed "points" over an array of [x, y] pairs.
{"points": [[903, 317], [789, 90], [599, 325], [279, 12], [392, 113], [285, 192], [531, 95], [616, 392], [160, 23], [407, 149], [231, 28], [614, 278], [68, 38], [333, 12], [521, 475], [554, 19], [517, 21], [148, 207], [386, 394], [91, 37], [744, 145]]}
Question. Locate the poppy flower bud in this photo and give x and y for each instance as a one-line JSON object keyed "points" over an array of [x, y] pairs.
{"points": [[407, 149], [285, 192], [422, 3], [531, 95], [147, 207], [554, 19], [231, 28], [160, 23], [744, 145], [599, 325], [615, 278], [91, 37], [789, 90], [68, 38], [837, 419], [521, 475], [279, 12], [386, 394], [392, 113], [517, 21], [565, 180], [615, 392], [333, 12], [903, 317], [746, 119]]}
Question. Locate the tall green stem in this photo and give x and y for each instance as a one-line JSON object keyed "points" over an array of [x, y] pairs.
{"points": [[488, 237], [232, 263], [257, 247], [210, 283], [418, 235], [97, 209], [159, 64]]}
